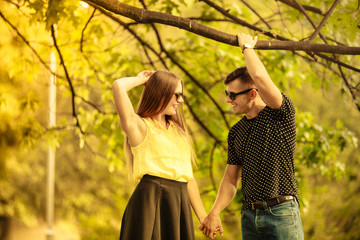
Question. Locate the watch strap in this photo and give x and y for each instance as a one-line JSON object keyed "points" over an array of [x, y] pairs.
{"points": [[245, 46]]}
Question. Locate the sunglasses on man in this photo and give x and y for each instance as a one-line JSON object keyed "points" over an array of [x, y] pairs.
{"points": [[232, 95]]}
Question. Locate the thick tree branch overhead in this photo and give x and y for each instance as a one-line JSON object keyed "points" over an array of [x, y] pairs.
{"points": [[145, 16]]}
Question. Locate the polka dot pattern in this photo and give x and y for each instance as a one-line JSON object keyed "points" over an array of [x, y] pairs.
{"points": [[264, 146]]}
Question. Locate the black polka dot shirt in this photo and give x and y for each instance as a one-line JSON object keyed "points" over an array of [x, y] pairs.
{"points": [[264, 147]]}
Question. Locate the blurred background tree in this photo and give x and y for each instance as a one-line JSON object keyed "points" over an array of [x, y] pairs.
{"points": [[97, 42]]}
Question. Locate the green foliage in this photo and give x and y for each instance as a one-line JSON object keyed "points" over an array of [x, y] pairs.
{"points": [[343, 19], [58, 10], [92, 187], [320, 146], [171, 7], [38, 10]]}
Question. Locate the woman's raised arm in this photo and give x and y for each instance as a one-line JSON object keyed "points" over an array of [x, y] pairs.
{"points": [[133, 126]]}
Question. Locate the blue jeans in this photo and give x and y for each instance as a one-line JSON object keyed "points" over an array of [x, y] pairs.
{"points": [[281, 221]]}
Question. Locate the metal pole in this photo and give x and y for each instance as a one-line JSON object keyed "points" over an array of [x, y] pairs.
{"points": [[50, 184]]}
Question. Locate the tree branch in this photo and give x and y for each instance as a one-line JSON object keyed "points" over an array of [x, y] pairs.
{"points": [[168, 55], [306, 44], [256, 13], [349, 87], [193, 79], [207, 130], [327, 15], [187, 72], [31, 47], [146, 16], [40, 59], [242, 22], [317, 31], [161, 45], [83, 31], [126, 26], [291, 3], [93, 105], [302, 10], [74, 114], [211, 173], [27, 43]]}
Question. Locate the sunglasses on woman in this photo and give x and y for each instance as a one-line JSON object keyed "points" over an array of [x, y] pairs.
{"points": [[232, 95], [178, 95]]}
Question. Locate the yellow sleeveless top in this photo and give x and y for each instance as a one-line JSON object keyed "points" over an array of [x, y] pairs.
{"points": [[163, 153]]}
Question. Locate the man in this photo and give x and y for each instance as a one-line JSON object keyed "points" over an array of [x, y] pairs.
{"points": [[261, 150]]}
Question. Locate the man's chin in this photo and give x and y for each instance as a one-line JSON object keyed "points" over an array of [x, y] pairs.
{"points": [[237, 112]]}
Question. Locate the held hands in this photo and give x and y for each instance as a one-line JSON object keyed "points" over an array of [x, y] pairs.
{"points": [[144, 76], [211, 225], [246, 39]]}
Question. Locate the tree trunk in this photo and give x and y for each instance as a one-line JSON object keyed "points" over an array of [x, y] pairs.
{"points": [[4, 227]]}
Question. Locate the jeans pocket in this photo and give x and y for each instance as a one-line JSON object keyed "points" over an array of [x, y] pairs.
{"points": [[282, 210]]}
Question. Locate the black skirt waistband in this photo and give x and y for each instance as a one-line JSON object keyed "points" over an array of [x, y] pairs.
{"points": [[162, 180]]}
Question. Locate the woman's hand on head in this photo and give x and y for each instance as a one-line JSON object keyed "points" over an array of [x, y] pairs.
{"points": [[145, 75]]}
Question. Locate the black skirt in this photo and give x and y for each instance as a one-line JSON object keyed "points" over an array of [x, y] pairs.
{"points": [[159, 209]]}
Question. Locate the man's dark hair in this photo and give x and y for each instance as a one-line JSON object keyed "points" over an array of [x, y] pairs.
{"points": [[241, 73]]}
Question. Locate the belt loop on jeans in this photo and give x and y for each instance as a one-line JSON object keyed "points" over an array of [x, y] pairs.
{"points": [[265, 205]]}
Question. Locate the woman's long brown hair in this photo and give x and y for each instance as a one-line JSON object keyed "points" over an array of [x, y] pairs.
{"points": [[158, 91]]}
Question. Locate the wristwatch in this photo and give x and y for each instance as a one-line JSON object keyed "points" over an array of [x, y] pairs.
{"points": [[245, 46]]}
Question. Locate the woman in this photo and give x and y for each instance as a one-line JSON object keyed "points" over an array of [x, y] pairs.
{"points": [[160, 156]]}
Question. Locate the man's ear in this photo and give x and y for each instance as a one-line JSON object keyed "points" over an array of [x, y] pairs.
{"points": [[253, 94]]}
